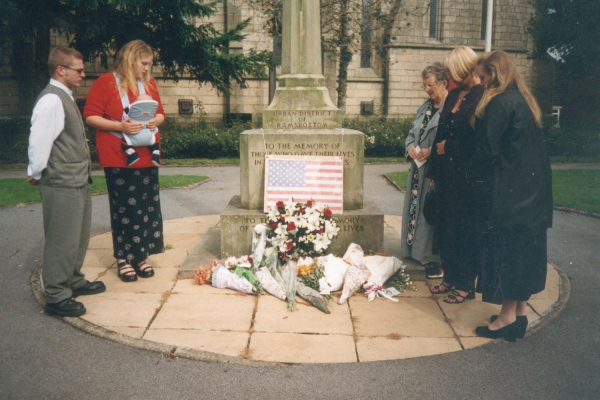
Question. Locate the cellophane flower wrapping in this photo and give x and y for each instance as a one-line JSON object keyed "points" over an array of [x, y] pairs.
{"points": [[381, 268], [288, 272], [334, 271], [312, 296], [247, 274], [224, 279], [355, 276], [270, 283]]}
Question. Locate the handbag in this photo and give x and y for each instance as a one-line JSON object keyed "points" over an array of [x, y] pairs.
{"points": [[430, 211]]}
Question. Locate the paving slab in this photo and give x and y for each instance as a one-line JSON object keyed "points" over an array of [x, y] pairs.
{"points": [[206, 312], [409, 317], [121, 309], [299, 348], [272, 315], [227, 343], [385, 348]]}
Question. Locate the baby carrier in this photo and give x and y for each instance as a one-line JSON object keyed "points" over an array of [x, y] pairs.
{"points": [[141, 111]]}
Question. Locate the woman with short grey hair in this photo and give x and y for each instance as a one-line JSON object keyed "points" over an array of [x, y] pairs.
{"points": [[417, 234]]}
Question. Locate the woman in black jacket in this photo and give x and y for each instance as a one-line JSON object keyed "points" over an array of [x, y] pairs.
{"points": [[512, 164], [455, 232]]}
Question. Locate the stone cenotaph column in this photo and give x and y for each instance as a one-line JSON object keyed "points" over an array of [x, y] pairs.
{"points": [[301, 120]]}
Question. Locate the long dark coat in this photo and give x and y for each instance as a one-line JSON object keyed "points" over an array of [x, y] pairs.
{"points": [[512, 168], [455, 195]]}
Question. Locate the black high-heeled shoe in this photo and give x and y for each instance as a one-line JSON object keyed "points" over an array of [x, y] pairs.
{"points": [[508, 333], [522, 324]]}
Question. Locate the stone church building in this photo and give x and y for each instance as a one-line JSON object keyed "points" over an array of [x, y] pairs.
{"points": [[424, 32]]}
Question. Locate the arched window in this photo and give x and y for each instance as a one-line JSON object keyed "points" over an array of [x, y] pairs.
{"points": [[435, 19]]}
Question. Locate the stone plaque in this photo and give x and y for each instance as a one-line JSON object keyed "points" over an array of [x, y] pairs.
{"points": [[254, 144]]}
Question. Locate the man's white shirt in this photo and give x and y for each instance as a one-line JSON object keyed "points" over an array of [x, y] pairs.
{"points": [[47, 122]]}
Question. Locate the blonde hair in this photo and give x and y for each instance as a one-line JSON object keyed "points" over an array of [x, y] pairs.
{"points": [[504, 76], [461, 63], [125, 62], [62, 56]]}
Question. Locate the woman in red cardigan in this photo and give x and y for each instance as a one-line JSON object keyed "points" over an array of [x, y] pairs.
{"points": [[133, 192]]}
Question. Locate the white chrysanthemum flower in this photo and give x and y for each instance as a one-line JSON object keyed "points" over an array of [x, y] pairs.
{"points": [[331, 229], [320, 207], [321, 242]]}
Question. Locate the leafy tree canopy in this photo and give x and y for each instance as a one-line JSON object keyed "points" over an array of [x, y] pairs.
{"points": [[179, 30], [569, 30]]}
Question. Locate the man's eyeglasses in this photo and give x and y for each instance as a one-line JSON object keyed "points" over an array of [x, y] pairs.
{"points": [[79, 71], [430, 85]]}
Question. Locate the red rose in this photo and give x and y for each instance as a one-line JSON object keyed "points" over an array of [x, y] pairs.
{"points": [[281, 218], [251, 260], [273, 224], [321, 230], [289, 245], [309, 203], [291, 226], [284, 255], [327, 213], [279, 204]]}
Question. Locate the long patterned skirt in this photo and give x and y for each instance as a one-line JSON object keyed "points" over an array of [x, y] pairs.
{"points": [[136, 218]]}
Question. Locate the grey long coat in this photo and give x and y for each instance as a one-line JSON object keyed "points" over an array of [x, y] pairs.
{"points": [[423, 240]]}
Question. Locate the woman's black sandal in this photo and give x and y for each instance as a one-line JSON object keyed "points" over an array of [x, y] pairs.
{"points": [[457, 298], [144, 270], [441, 288], [125, 270]]}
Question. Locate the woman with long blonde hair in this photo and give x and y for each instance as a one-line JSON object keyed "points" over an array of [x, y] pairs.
{"points": [[133, 191], [455, 233], [510, 157]]}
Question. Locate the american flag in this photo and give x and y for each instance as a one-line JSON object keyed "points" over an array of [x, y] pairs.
{"points": [[304, 178]]}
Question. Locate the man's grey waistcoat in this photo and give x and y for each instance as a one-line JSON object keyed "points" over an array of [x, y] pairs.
{"points": [[69, 164]]}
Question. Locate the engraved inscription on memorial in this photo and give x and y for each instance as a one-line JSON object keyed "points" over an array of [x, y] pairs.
{"points": [[301, 149]]}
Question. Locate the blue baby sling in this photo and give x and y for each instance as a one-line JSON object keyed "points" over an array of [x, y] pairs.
{"points": [[140, 111]]}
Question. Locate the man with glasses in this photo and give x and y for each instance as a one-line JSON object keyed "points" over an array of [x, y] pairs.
{"points": [[59, 162]]}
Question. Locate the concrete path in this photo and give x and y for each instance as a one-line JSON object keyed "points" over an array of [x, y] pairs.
{"points": [[43, 357], [188, 317]]}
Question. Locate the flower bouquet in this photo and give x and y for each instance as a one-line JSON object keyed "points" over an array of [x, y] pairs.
{"points": [[204, 274], [296, 230], [242, 267], [300, 229]]}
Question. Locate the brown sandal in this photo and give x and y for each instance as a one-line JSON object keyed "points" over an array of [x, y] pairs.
{"points": [[441, 288], [457, 298]]}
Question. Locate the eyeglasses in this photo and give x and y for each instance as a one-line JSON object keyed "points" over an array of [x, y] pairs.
{"points": [[79, 71], [429, 85]]}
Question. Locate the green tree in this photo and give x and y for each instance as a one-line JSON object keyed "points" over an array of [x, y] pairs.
{"points": [[186, 43], [568, 30]]}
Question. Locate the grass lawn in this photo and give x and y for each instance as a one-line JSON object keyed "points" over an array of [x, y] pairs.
{"points": [[399, 178], [577, 188], [16, 191]]}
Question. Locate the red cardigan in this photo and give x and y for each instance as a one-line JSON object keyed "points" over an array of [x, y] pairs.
{"points": [[104, 100]]}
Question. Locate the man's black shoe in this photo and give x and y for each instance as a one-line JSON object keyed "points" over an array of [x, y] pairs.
{"points": [[89, 288], [65, 308]]}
